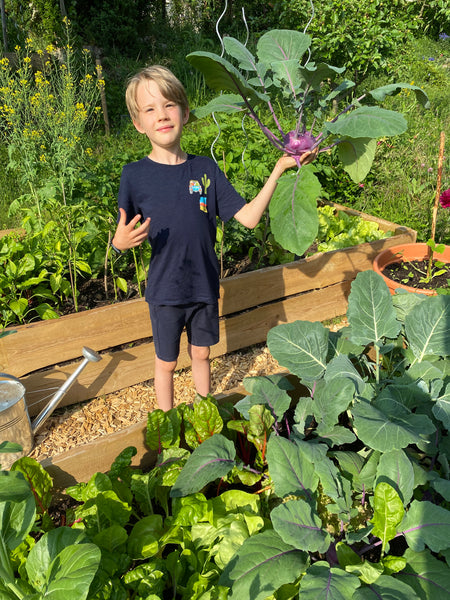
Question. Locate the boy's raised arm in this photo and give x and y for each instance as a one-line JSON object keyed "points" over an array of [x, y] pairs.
{"points": [[130, 236], [250, 214]]}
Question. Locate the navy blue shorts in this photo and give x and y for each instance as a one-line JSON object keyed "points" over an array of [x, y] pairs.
{"points": [[200, 319]]}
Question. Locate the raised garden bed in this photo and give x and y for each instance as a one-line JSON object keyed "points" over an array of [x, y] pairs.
{"points": [[45, 353]]}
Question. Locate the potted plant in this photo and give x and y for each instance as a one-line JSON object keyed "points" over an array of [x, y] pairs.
{"points": [[419, 267]]}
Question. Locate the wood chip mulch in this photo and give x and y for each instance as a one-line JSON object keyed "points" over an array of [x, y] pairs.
{"points": [[78, 424]]}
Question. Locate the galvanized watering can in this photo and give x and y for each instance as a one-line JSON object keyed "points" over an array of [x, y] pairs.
{"points": [[15, 423]]}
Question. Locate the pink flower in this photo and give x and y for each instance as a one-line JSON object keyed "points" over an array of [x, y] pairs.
{"points": [[444, 199]]}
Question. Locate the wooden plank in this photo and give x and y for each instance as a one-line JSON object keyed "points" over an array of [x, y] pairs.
{"points": [[123, 368]]}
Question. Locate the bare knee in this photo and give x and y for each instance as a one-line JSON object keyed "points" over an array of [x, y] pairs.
{"points": [[198, 352], [167, 367]]}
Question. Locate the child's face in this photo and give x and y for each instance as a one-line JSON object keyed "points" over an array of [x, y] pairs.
{"points": [[160, 119]]}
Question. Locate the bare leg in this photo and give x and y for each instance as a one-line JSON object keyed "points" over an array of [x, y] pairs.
{"points": [[164, 383], [201, 371]]}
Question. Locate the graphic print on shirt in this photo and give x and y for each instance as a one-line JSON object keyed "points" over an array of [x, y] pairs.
{"points": [[194, 186]]}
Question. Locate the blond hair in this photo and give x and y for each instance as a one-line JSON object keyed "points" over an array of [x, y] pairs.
{"points": [[169, 85]]}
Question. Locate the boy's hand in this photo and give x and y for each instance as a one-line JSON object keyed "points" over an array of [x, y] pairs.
{"points": [[130, 236], [288, 162]]}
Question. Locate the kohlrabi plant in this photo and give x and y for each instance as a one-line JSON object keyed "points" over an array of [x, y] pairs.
{"points": [[283, 74]]}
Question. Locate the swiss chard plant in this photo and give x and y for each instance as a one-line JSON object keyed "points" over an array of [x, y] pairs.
{"points": [[315, 99]]}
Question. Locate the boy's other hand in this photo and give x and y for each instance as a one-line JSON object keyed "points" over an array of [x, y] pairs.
{"points": [[130, 236]]}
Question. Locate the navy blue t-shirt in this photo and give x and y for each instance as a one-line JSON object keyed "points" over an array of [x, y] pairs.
{"points": [[183, 202]]}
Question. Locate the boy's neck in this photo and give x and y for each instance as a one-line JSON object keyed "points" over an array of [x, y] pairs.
{"points": [[168, 157]]}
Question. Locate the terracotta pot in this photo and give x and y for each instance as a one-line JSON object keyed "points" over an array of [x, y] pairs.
{"points": [[409, 252]]}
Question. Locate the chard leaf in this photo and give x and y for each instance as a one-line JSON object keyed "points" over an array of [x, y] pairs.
{"points": [[427, 327], [282, 44], [394, 88], [327, 584], [368, 122], [387, 425], [293, 210], [163, 429], [290, 469], [427, 575], [267, 392], [262, 564], [213, 459], [388, 513], [301, 347], [357, 155], [298, 524], [396, 469], [226, 103], [206, 419], [427, 524], [144, 539], [370, 311], [388, 588]]}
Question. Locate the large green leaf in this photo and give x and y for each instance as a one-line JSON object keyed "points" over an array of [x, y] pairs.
{"points": [[426, 524], [315, 74], [394, 88], [221, 75], [43, 553], [282, 44], [427, 575], [427, 327], [262, 565], [441, 409], [71, 573], [370, 311], [388, 588], [298, 524], [331, 398], [226, 103], [211, 460], [290, 469], [301, 347], [368, 122], [357, 155], [237, 50], [387, 425], [293, 210], [263, 390], [17, 514], [396, 469], [327, 584]]}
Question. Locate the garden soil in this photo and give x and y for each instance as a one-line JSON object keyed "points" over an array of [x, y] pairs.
{"points": [[78, 424]]}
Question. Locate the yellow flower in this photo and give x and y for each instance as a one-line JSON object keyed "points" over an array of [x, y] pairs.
{"points": [[27, 60]]}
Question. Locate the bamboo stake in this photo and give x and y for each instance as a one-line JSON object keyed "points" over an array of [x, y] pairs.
{"points": [[436, 202]]}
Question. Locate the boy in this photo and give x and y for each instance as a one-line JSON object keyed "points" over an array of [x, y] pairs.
{"points": [[172, 198]]}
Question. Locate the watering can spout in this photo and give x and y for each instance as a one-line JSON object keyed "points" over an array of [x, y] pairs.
{"points": [[89, 356]]}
